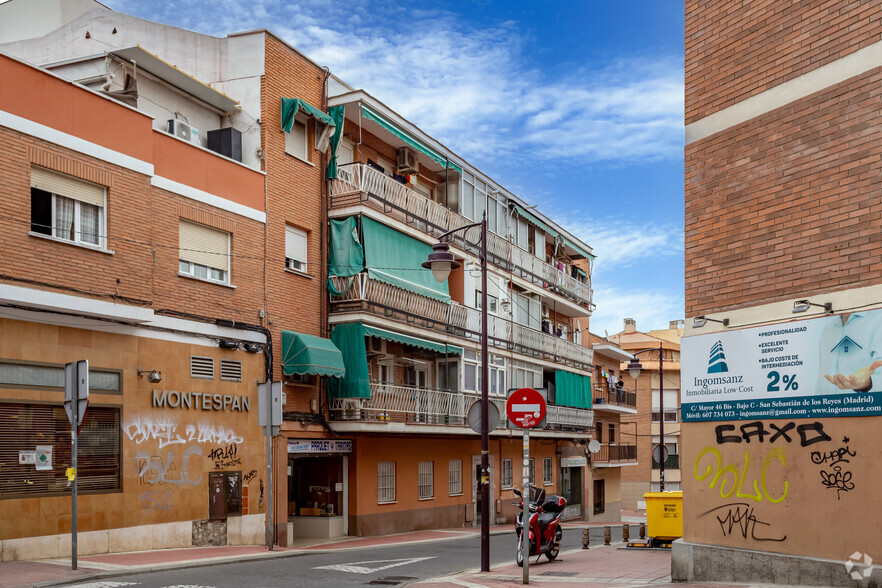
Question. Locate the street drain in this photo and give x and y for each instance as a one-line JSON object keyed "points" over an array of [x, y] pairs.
{"points": [[390, 581], [558, 574]]}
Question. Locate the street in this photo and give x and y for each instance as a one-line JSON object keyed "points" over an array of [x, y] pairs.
{"points": [[389, 565]]}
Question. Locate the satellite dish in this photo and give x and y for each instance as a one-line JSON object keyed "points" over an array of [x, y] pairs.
{"points": [[594, 446]]}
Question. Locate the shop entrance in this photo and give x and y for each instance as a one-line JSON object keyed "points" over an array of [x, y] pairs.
{"points": [[571, 489], [317, 497]]}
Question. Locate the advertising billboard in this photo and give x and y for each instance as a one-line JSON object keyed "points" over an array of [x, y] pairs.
{"points": [[821, 367]]}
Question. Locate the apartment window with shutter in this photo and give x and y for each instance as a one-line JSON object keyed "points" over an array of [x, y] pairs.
{"points": [[230, 370], [385, 482], [426, 473], [295, 249], [67, 208], [454, 477], [506, 474], [546, 471], [202, 367], [29, 427], [204, 252], [295, 141]]}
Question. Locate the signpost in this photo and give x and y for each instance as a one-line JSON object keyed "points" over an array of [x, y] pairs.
{"points": [[76, 401], [269, 416], [526, 409]]}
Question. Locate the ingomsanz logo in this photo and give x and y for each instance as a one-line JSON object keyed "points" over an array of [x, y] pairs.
{"points": [[717, 362], [854, 563]]}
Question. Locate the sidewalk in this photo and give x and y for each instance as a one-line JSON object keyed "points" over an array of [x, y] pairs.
{"points": [[50, 572]]}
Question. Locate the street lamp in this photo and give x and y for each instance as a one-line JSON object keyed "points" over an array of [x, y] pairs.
{"points": [[634, 368], [441, 262]]}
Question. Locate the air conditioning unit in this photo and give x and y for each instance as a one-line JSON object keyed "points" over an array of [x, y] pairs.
{"points": [[182, 130], [407, 161], [378, 346], [544, 310]]}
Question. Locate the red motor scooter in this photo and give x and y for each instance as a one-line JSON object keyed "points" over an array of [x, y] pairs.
{"points": [[544, 529]]}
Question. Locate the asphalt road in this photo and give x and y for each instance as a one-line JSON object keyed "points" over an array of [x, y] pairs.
{"points": [[390, 565]]}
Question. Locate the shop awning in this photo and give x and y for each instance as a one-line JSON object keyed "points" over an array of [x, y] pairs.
{"points": [[407, 138], [290, 108], [572, 389], [412, 341], [396, 259], [356, 382], [308, 354]]}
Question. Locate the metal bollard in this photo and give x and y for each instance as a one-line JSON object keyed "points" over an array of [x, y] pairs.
{"points": [[626, 533], [606, 535], [643, 530], [585, 538]]}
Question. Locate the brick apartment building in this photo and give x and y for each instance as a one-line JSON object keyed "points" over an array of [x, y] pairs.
{"points": [[782, 243]]}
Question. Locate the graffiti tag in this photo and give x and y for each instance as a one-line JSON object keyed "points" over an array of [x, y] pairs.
{"points": [[729, 473], [738, 518]]}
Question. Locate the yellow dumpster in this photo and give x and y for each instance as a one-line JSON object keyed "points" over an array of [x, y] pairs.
{"points": [[664, 515]]}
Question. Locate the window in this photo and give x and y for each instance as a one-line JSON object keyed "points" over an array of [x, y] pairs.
{"points": [[44, 430], [612, 433], [426, 473], [506, 473], [16, 375], [670, 416], [295, 249], [531, 473], [385, 482], [230, 370], [492, 302], [598, 432], [454, 477], [546, 471], [295, 141], [224, 494], [204, 252], [67, 208], [599, 496], [202, 367]]}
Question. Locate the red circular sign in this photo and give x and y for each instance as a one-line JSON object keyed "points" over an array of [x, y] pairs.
{"points": [[525, 408]]}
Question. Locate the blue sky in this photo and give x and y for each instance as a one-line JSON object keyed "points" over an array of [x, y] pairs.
{"points": [[576, 106]]}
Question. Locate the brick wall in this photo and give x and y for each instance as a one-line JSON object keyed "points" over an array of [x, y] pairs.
{"points": [[787, 203], [735, 50]]}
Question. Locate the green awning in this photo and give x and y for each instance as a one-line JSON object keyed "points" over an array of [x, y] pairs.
{"points": [[290, 108], [345, 255], [576, 248], [577, 271], [572, 389], [356, 382], [407, 138], [308, 354], [338, 114], [413, 341], [535, 220], [396, 259]]}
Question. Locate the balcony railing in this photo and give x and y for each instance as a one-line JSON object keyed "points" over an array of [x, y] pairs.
{"points": [[365, 294], [609, 395], [615, 453], [671, 463], [406, 404], [357, 183]]}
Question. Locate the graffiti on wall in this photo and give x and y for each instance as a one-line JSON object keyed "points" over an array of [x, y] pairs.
{"points": [[738, 518], [168, 432], [225, 456], [835, 473], [157, 500], [153, 469]]}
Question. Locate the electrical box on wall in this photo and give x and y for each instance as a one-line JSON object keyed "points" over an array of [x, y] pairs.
{"points": [[227, 142]]}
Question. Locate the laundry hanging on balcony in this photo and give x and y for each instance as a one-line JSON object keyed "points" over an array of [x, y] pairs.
{"points": [[346, 255], [408, 138], [290, 108], [338, 115], [308, 354], [356, 381], [572, 390]]}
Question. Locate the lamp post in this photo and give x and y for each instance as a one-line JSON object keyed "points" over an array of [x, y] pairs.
{"points": [[634, 368], [441, 262]]}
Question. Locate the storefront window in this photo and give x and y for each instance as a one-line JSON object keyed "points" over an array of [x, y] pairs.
{"points": [[315, 486]]}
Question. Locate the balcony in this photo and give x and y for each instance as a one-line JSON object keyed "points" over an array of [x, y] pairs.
{"points": [[360, 184], [612, 454], [404, 404], [671, 463], [363, 294], [608, 398]]}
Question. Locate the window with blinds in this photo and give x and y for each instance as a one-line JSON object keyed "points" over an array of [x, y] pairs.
{"points": [[454, 477], [385, 482], [426, 473], [546, 471], [506, 473], [295, 249], [25, 426], [67, 208], [204, 252], [295, 141]]}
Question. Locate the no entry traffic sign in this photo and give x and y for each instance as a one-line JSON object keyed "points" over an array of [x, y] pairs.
{"points": [[526, 408]]}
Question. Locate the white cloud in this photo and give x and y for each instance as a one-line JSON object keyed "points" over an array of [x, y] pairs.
{"points": [[651, 309], [619, 244]]}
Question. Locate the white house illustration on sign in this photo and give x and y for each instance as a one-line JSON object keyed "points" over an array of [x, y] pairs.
{"points": [[845, 344]]}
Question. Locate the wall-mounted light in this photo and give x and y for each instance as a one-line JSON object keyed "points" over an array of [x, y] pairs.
{"points": [[700, 321], [153, 376], [804, 305]]}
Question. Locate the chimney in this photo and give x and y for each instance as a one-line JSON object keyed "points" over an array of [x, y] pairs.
{"points": [[630, 325], [681, 324]]}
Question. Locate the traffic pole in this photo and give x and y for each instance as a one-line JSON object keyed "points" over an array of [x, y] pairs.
{"points": [[525, 524]]}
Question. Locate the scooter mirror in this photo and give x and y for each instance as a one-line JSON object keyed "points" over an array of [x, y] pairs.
{"points": [[517, 492]]}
